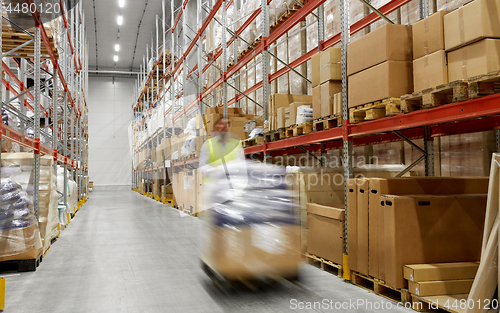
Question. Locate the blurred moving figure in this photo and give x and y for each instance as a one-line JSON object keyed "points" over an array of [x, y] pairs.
{"points": [[250, 223]]}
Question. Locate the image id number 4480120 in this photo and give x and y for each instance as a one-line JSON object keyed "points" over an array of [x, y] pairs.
{"points": [[463, 304], [25, 8]]}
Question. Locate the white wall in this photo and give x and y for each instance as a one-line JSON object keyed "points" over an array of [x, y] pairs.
{"points": [[110, 113]]}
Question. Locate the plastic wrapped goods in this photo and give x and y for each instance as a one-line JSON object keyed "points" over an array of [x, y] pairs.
{"points": [[47, 197], [254, 233], [19, 234]]}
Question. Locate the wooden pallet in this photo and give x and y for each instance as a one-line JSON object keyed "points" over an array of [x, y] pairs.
{"points": [[13, 38], [275, 135], [375, 110], [444, 303], [298, 129], [380, 288], [325, 265], [253, 141], [286, 15], [327, 122], [455, 91], [21, 265], [484, 85]]}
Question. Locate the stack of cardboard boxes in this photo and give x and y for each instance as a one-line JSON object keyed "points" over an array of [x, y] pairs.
{"points": [[438, 279], [394, 222], [430, 68], [326, 82], [379, 65], [277, 113], [469, 34]]}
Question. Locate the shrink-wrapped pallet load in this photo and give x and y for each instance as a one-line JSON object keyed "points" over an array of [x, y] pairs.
{"points": [[48, 213]]}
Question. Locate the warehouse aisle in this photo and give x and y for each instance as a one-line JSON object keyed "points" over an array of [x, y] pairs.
{"points": [[126, 253]]}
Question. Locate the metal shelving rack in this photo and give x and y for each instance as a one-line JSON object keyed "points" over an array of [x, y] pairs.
{"points": [[60, 84], [469, 116]]}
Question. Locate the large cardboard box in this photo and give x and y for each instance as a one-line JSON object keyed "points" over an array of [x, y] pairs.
{"points": [[437, 288], [389, 42], [352, 235], [475, 59], [328, 91], [330, 67], [440, 271], [415, 186], [325, 236], [428, 35], [431, 229], [315, 70], [363, 226], [389, 79], [316, 102], [472, 22], [245, 251], [430, 71]]}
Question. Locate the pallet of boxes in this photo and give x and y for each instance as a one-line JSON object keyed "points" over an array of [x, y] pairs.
{"points": [[320, 195], [327, 89], [289, 116], [402, 224], [377, 79]]}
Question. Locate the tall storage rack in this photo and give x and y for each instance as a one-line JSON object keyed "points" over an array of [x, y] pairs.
{"points": [[56, 59], [475, 115]]}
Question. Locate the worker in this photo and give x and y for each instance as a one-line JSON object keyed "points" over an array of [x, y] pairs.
{"points": [[220, 149]]}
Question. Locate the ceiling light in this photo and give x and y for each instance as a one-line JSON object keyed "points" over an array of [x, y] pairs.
{"points": [[117, 47], [115, 58], [121, 3], [120, 20]]}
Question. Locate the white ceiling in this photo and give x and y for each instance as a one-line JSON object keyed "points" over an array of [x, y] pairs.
{"points": [[139, 25]]}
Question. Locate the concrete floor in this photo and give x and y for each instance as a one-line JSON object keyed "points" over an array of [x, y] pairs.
{"points": [[126, 253]]}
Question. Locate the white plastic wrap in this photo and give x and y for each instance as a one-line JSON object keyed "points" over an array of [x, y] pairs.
{"points": [[304, 114]]}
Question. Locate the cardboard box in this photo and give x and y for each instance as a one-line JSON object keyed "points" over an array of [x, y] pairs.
{"points": [[330, 67], [428, 35], [472, 22], [440, 271], [239, 253], [326, 231], [281, 117], [430, 71], [389, 79], [415, 185], [436, 288], [20, 244], [389, 42], [316, 102], [293, 111], [363, 226], [315, 70], [475, 59], [431, 229], [328, 90]]}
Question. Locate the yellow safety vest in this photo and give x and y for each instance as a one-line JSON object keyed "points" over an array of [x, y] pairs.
{"points": [[228, 153]]}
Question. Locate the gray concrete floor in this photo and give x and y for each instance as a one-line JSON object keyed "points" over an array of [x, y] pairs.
{"points": [[126, 253]]}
